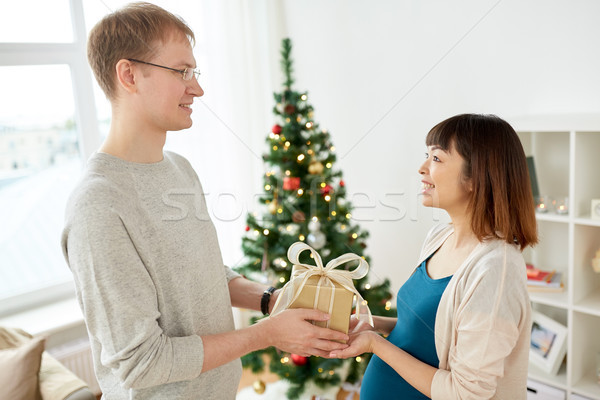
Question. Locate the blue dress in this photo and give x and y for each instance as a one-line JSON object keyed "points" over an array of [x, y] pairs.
{"points": [[417, 304]]}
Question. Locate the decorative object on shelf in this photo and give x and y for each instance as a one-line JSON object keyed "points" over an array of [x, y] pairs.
{"points": [[561, 205], [542, 204], [596, 262], [548, 343], [595, 208]]}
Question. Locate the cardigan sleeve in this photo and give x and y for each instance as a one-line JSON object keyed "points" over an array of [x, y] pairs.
{"points": [[489, 307]]}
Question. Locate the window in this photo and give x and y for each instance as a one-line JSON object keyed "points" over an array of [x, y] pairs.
{"points": [[47, 128]]}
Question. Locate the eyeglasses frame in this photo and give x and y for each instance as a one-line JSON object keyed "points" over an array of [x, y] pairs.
{"points": [[195, 72]]}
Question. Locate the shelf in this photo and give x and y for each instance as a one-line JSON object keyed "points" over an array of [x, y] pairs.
{"points": [[587, 221], [559, 380], [589, 305], [588, 386], [560, 299], [551, 217]]}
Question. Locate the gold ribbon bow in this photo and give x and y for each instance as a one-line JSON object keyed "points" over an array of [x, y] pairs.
{"points": [[328, 274]]}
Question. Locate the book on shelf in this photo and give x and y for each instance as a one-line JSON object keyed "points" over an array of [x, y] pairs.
{"points": [[539, 280]]}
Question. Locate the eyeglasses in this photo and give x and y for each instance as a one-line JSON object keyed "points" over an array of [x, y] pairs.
{"points": [[186, 73]]}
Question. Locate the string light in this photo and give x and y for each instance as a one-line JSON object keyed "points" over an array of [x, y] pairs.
{"points": [[301, 157], [267, 187], [287, 173], [309, 125], [331, 372], [275, 147], [368, 286], [332, 148], [279, 210], [266, 232], [303, 97], [320, 370], [301, 238], [323, 184], [333, 213], [300, 192], [328, 165], [327, 198], [287, 144], [284, 360], [388, 305], [348, 216], [354, 235], [358, 359], [282, 279]]}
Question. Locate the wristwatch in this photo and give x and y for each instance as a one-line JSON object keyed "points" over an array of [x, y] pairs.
{"points": [[264, 300]]}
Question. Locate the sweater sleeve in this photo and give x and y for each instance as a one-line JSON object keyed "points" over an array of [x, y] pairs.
{"points": [[119, 302], [489, 311]]}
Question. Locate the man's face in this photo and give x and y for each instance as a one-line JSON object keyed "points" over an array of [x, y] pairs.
{"points": [[164, 97]]}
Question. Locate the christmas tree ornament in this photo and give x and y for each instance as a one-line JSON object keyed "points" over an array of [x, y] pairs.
{"points": [[289, 109], [299, 360], [298, 216], [291, 183], [259, 386], [276, 129], [272, 207], [316, 239], [315, 168], [327, 189]]}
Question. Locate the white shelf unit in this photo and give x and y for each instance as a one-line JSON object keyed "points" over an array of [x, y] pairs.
{"points": [[566, 153]]}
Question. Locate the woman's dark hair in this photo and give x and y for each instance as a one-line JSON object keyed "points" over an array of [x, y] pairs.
{"points": [[501, 201]]}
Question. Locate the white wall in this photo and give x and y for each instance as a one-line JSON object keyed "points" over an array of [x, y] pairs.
{"points": [[381, 73]]}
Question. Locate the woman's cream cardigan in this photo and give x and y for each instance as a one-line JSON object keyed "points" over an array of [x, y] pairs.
{"points": [[483, 323]]}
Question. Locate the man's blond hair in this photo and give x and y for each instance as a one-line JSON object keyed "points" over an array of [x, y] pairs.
{"points": [[130, 32]]}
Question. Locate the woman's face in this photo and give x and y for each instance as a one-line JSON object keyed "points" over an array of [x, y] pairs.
{"points": [[443, 185]]}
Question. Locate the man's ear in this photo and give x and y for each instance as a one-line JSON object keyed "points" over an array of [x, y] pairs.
{"points": [[126, 75]]}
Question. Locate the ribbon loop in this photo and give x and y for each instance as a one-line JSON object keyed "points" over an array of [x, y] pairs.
{"points": [[328, 276]]}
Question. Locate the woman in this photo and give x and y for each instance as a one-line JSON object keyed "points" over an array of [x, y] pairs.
{"points": [[464, 317]]}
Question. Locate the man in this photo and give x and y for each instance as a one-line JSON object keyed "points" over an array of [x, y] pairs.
{"points": [[150, 278]]}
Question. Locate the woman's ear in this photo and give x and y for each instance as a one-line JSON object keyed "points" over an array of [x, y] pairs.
{"points": [[126, 78]]}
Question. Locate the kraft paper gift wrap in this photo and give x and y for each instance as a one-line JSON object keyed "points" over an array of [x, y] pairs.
{"points": [[324, 288]]}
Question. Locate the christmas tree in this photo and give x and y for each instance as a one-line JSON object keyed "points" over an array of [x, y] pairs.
{"points": [[304, 198]]}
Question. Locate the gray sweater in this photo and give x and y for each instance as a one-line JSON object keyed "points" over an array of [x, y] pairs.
{"points": [[150, 279]]}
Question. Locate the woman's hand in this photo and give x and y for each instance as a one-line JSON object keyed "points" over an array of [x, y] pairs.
{"points": [[359, 343], [357, 326]]}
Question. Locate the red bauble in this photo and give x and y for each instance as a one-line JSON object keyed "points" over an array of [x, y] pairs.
{"points": [[276, 129], [289, 109], [299, 360], [326, 190], [342, 184], [247, 228], [291, 183]]}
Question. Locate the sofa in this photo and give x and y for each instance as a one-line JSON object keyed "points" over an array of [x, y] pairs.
{"points": [[27, 372]]}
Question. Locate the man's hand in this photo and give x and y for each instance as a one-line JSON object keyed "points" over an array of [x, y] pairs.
{"points": [[292, 331]]}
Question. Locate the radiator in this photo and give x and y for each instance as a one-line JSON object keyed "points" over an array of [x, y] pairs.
{"points": [[77, 356]]}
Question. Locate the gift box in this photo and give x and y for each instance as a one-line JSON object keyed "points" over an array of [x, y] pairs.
{"points": [[336, 301], [325, 288]]}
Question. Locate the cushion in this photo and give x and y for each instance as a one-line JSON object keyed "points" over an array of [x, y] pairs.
{"points": [[56, 381], [23, 361]]}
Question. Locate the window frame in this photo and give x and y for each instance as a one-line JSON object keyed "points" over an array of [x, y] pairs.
{"points": [[74, 56]]}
